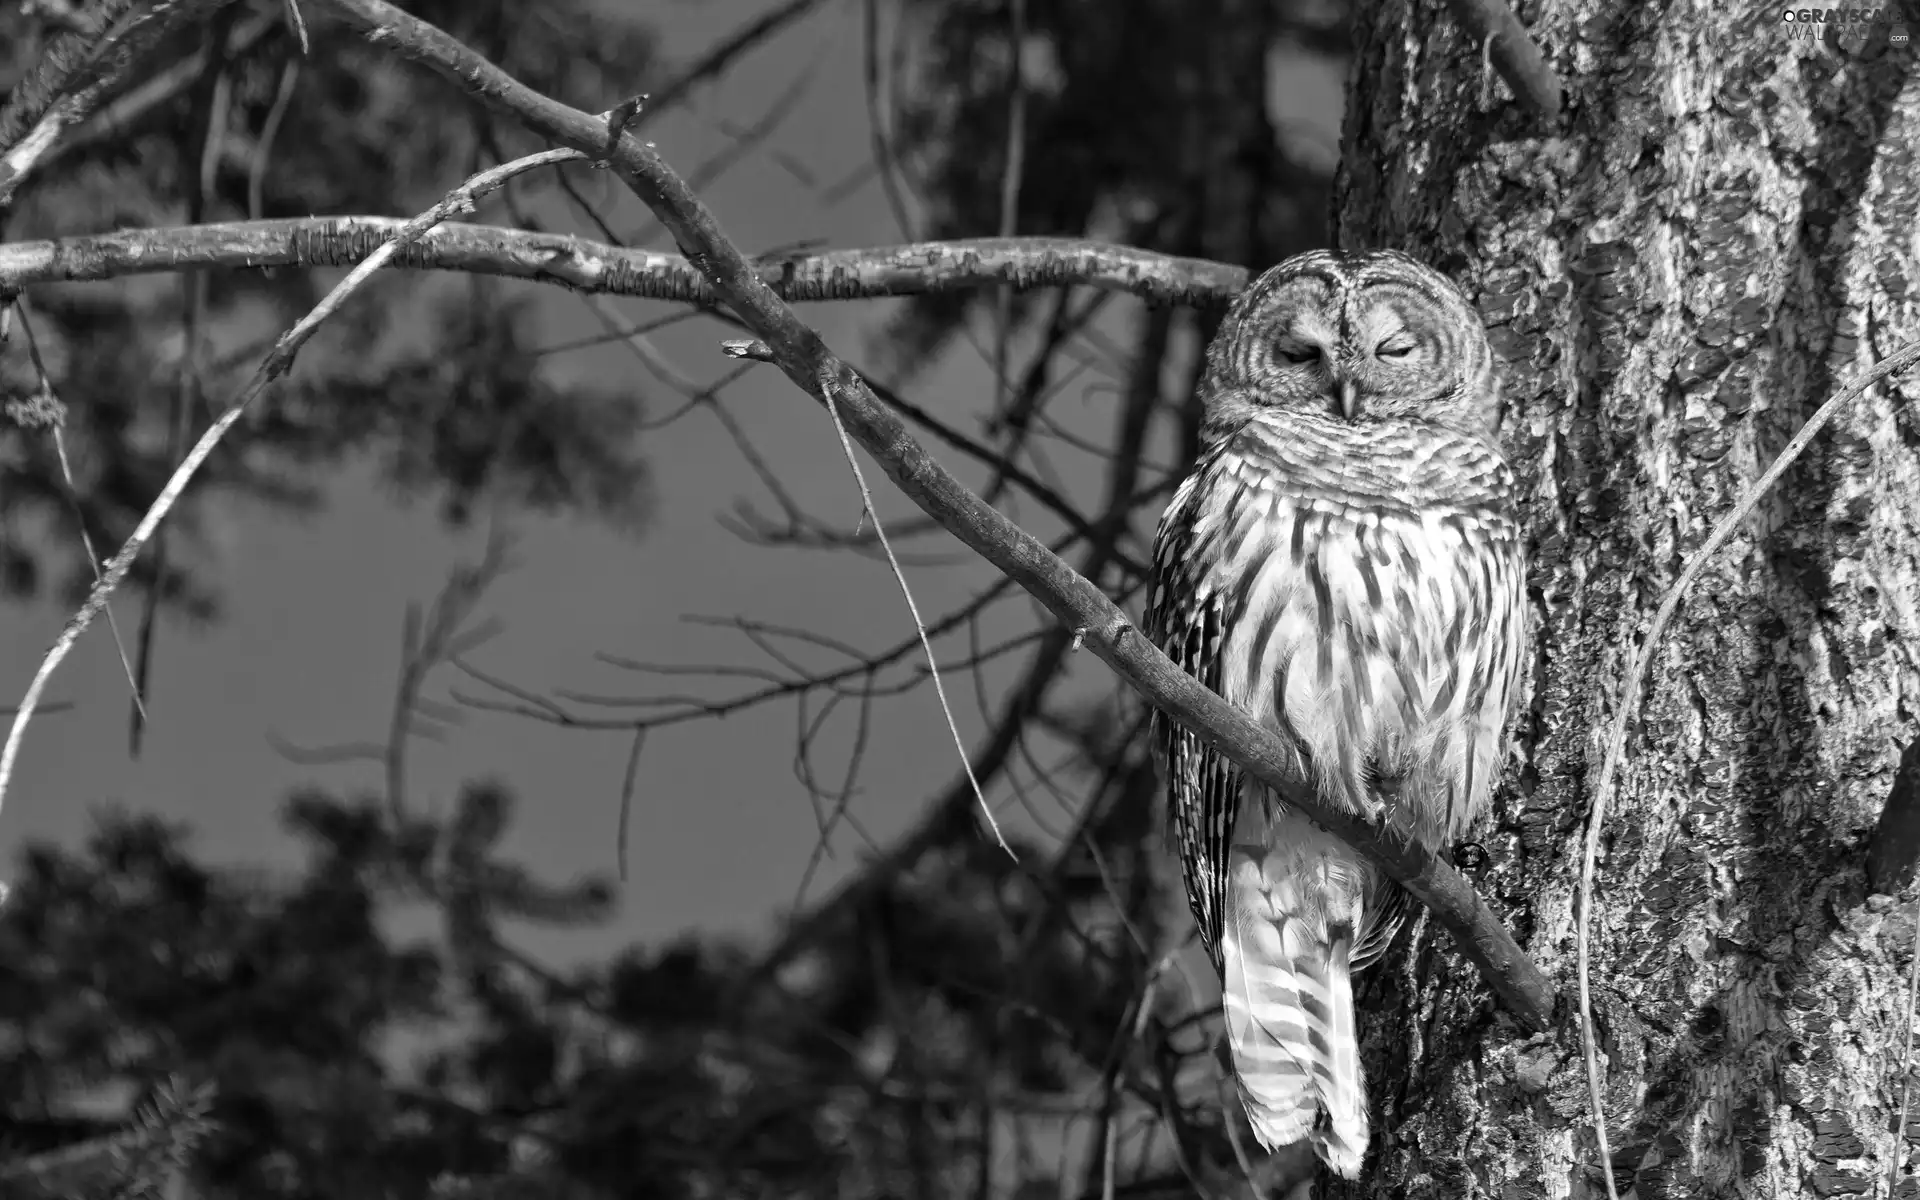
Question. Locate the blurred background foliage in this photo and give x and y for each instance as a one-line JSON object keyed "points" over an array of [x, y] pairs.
{"points": [[955, 1021], [205, 133]]}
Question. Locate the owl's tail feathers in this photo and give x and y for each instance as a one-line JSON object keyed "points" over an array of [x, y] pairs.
{"points": [[1289, 1009]]}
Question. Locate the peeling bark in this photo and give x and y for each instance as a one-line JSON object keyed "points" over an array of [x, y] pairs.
{"points": [[1721, 235]]}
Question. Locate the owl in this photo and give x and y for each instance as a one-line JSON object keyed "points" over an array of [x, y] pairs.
{"points": [[1345, 565]]}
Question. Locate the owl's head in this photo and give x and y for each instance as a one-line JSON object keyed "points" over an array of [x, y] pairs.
{"points": [[1362, 337]]}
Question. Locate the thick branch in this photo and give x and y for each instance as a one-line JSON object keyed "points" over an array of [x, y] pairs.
{"points": [[597, 267], [1081, 606]]}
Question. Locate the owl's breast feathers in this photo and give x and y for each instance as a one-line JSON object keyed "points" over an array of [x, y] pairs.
{"points": [[1360, 590]]}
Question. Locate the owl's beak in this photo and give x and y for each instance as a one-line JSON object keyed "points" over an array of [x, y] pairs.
{"points": [[1346, 397]]}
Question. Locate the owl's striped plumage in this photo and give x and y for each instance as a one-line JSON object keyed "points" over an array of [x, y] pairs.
{"points": [[1345, 564]]}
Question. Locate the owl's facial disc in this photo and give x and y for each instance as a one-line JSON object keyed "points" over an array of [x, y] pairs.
{"points": [[1369, 339]]}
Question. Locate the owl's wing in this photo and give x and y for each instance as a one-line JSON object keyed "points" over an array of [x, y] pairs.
{"points": [[1481, 655], [1188, 622], [1385, 911]]}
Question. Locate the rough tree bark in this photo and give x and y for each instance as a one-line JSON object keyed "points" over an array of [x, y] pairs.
{"points": [[1718, 238]]}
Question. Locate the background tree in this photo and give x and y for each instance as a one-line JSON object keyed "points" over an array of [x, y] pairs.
{"points": [[1661, 271]]}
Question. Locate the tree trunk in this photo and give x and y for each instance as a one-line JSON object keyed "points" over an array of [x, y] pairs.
{"points": [[1720, 238]]}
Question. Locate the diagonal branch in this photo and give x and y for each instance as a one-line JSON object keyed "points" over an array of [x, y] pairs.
{"points": [[72, 81], [1079, 605]]}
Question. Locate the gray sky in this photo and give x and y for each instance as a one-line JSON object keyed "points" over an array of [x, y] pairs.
{"points": [[308, 648]]}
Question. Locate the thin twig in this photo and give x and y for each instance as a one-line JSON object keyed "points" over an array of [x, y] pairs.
{"points": [[212, 95], [740, 145], [719, 57], [277, 362], [1230, 1106], [626, 799], [299, 24], [57, 414], [1630, 701], [926, 643], [116, 119], [269, 132], [62, 68], [90, 68], [1010, 195], [878, 131], [438, 637], [1143, 1012]]}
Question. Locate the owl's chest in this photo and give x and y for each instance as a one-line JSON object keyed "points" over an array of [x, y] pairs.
{"points": [[1343, 619], [1313, 564]]}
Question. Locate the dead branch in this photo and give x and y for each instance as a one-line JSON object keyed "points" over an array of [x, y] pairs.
{"points": [[868, 512], [73, 79], [138, 102], [277, 363], [1078, 604], [51, 414], [589, 266]]}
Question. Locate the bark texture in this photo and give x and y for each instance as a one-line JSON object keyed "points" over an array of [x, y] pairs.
{"points": [[1719, 235]]}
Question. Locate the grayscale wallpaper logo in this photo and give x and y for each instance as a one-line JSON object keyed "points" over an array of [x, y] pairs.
{"points": [[1849, 28]]}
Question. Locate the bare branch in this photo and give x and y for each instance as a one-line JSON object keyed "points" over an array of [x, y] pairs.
{"points": [[53, 413], [72, 80], [589, 266], [278, 361], [627, 782], [56, 73], [1010, 194], [269, 132], [1077, 603], [913, 610], [879, 122], [213, 93], [934, 829], [130, 107], [743, 142]]}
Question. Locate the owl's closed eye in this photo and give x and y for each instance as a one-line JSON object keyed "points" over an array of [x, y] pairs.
{"points": [[1356, 337]]}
